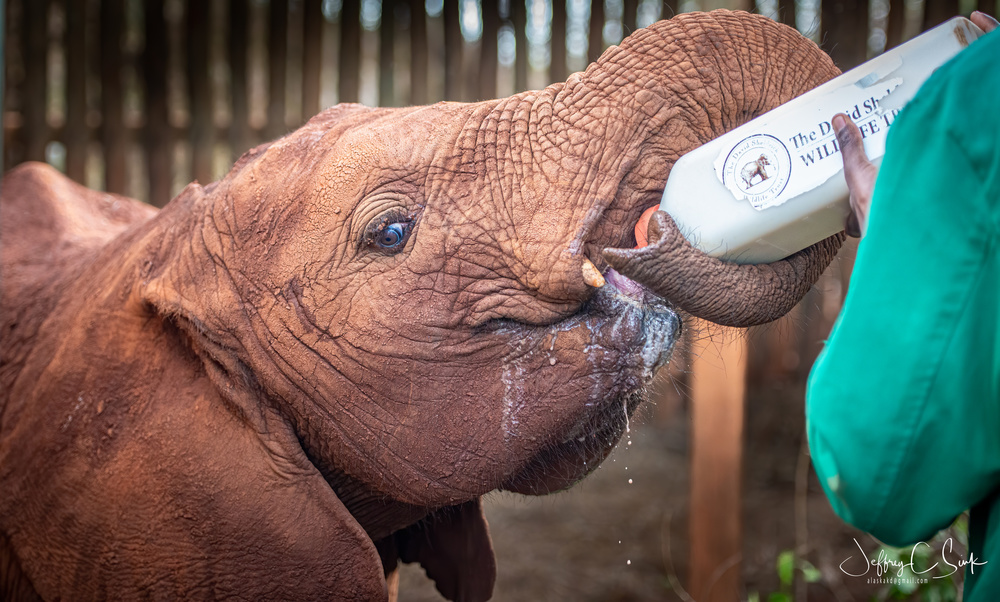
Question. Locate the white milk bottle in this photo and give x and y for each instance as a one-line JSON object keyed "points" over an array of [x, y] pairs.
{"points": [[773, 186]]}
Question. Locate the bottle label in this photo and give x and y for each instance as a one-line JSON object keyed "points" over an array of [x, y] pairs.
{"points": [[795, 149]]}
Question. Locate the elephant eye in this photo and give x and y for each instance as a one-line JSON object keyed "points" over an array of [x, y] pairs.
{"points": [[388, 233], [393, 235]]}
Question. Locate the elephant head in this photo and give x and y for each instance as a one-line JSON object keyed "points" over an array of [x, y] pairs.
{"points": [[370, 323]]}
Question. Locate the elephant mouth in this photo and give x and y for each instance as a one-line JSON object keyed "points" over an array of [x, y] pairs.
{"points": [[628, 333]]}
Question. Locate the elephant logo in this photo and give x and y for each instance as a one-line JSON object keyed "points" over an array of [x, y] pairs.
{"points": [[757, 169]]}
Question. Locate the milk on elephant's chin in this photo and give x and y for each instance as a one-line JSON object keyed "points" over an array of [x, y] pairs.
{"points": [[773, 186]]}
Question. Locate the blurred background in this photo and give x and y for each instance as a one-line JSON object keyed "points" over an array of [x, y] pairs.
{"points": [[140, 97]]}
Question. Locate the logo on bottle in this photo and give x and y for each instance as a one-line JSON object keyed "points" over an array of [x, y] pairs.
{"points": [[757, 169]]}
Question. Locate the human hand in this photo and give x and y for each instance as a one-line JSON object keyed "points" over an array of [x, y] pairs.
{"points": [[859, 172], [983, 21]]}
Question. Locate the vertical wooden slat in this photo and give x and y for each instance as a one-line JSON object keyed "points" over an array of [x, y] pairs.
{"points": [[199, 93], [844, 29], [350, 51], [939, 11], [718, 386], [452, 52], [519, 19], [277, 53], [312, 53], [156, 139], [76, 89], [488, 56], [36, 40], [595, 44], [3, 79], [670, 8], [418, 53], [237, 53], [630, 14], [894, 28], [387, 55], [557, 70], [786, 12], [112, 126]]}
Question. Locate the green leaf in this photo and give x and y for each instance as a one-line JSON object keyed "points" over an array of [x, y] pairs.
{"points": [[786, 567], [810, 573], [753, 597], [779, 597]]}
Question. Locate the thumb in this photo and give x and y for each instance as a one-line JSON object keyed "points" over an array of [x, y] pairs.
{"points": [[852, 147]]}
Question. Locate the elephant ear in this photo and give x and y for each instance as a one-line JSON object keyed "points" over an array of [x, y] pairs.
{"points": [[454, 547]]}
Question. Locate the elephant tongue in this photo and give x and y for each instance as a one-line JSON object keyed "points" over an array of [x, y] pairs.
{"points": [[625, 285], [642, 225]]}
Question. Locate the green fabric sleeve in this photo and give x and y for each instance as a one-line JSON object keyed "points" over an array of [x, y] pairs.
{"points": [[903, 405]]}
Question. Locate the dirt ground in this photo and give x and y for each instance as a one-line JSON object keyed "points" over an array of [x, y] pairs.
{"points": [[608, 540]]}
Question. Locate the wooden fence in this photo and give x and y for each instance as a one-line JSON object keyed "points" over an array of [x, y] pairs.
{"points": [[141, 96]]}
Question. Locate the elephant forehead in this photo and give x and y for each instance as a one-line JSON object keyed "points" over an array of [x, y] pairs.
{"points": [[397, 138]]}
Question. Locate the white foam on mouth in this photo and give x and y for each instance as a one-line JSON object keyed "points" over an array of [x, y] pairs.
{"points": [[518, 363], [658, 347], [659, 328]]}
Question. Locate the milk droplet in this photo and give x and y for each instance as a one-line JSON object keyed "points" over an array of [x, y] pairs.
{"points": [[628, 562], [552, 361], [630, 442], [630, 481]]}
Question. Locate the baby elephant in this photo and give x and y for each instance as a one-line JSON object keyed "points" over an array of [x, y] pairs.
{"points": [[288, 381]]}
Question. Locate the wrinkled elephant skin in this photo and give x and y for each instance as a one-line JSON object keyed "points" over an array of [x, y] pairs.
{"points": [[288, 381]]}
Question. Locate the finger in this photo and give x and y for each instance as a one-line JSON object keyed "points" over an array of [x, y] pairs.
{"points": [[984, 21], [853, 226], [852, 148]]}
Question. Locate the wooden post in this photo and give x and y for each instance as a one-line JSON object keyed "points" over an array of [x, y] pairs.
{"points": [[844, 25], [488, 50], [595, 43], [35, 40], [277, 52], [718, 376], [418, 53], [557, 68], [349, 69], [112, 125], [786, 12], [670, 8], [200, 131], [312, 53], [630, 16], [157, 136], [387, 55], [894, 29], [239, 124], [3, 77], [939, 11], [452, 52], [519, 19], [76, 90]]}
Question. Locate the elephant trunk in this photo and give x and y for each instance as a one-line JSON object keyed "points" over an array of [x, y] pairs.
{"points": [[666, 90]]}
